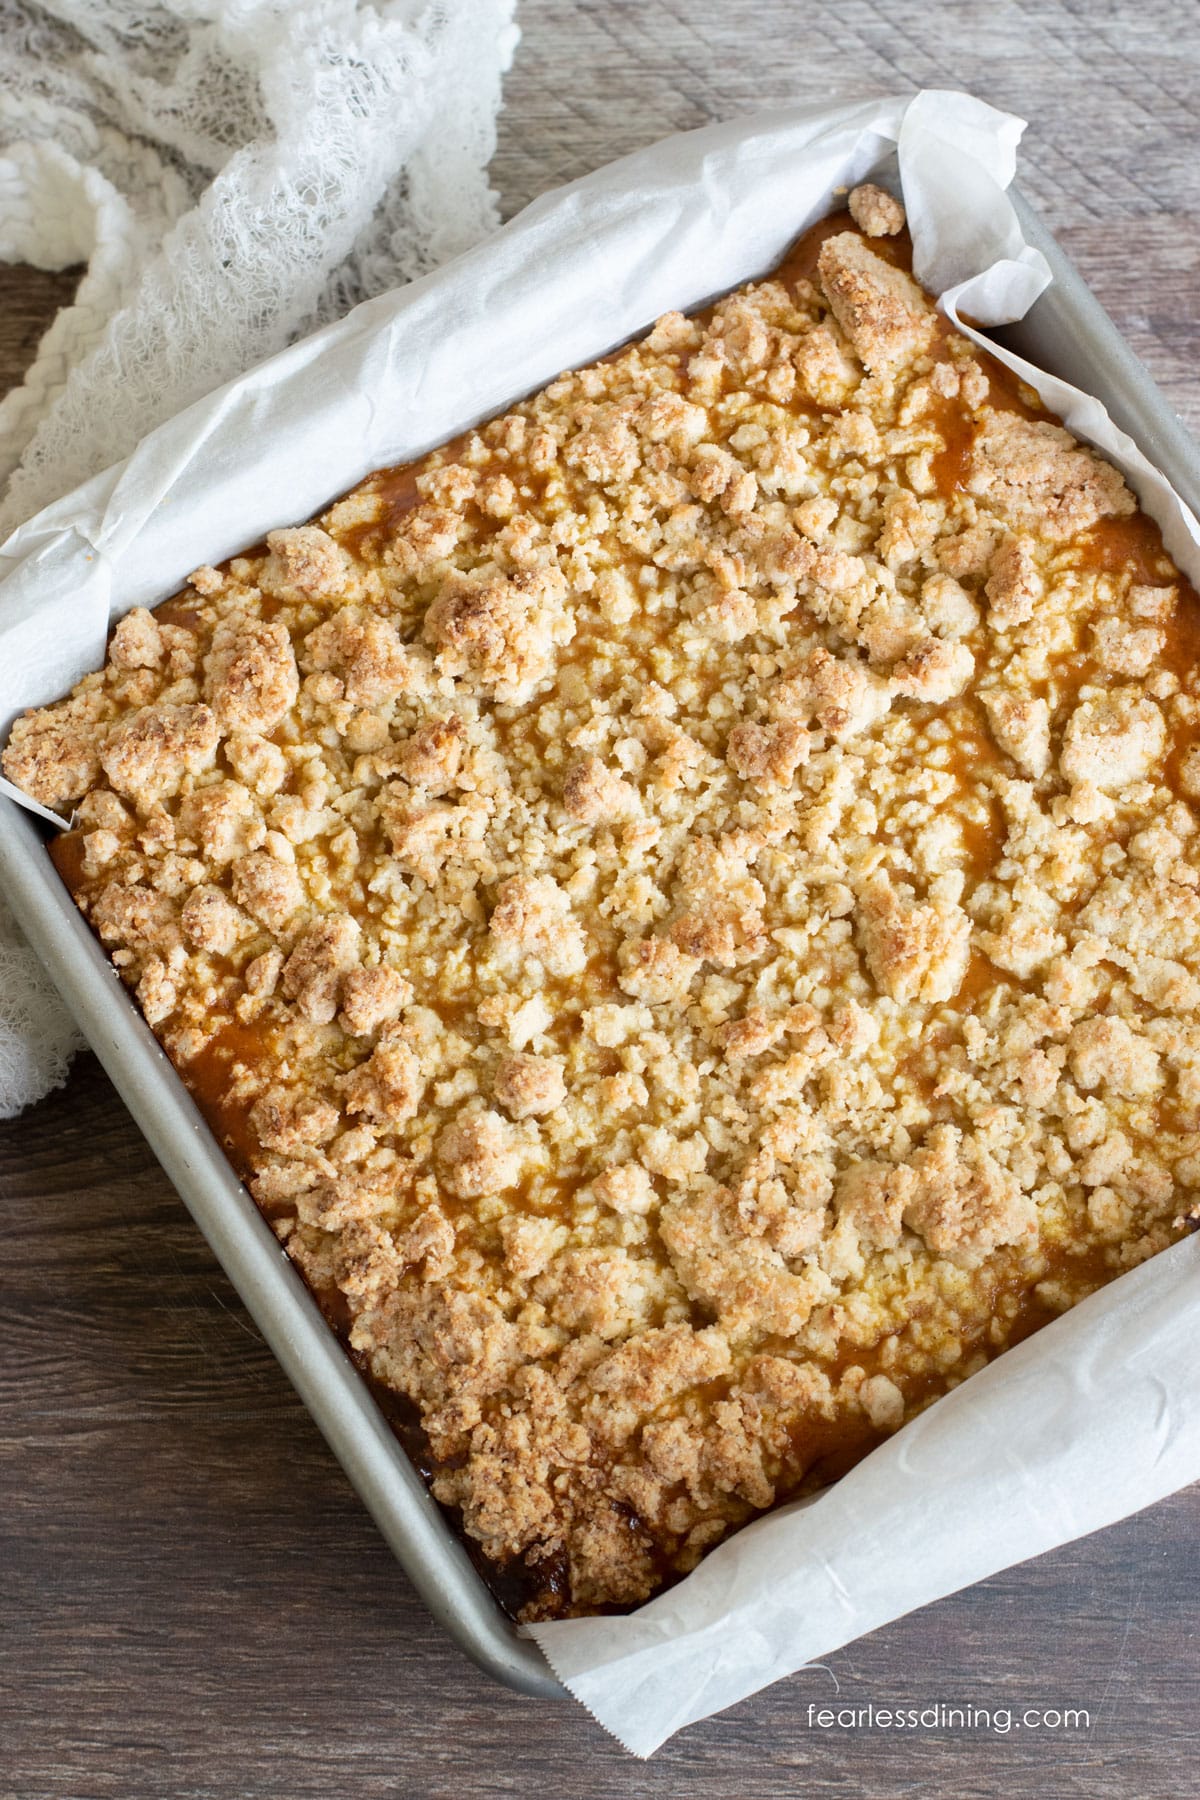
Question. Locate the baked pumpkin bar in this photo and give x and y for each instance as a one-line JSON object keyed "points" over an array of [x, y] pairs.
{"points": [[681, 905]]}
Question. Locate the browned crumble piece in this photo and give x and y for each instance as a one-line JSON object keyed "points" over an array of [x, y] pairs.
{"points": [[137, 642], [1113, 740], [430, 758], [528, 1086], [657, 970], [499, 631], [934, 671], [371, 997], [592, 792], [148, 756], [750, 1035], [207, 581], [1021, 726], [913, 950], [1154, 603], [289, 1124], [767, 755], [54, 753], [533, 915], [211, 922], [842, 697], [964, 1203], [1014, 586], [365, 655], [478, 1155], [304, 560], [251, 675], [1038, 478], [823, 364], [135, 917], [312, 974], [268, 887], [882, 311], [1109, 1052], [873, 1196], [1120, 651], [389, 1086], [874, 211], [263, 972], [627, 1188]]}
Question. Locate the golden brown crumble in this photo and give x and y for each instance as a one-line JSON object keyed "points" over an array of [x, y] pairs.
{"points": [[682, 904], [875, 211]]}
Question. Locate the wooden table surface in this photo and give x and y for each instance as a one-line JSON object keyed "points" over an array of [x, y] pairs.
{"points": [[192, 1601]]}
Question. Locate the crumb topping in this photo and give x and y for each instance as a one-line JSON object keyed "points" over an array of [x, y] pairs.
{"points": [[875, 211], [682, 904]]}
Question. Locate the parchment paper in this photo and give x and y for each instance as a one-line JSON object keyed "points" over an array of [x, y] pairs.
{"points": [[1097, 1415]]}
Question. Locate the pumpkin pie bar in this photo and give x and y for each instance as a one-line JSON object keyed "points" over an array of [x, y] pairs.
{"points": [[681, 905]]}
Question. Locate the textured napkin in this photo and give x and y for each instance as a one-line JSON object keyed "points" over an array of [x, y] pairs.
{"points": [[232, 173]]}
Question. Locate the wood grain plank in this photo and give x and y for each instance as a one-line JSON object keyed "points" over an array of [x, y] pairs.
{"points": [[193, 1603]]}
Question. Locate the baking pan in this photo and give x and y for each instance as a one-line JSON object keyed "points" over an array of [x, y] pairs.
{"points": [[1066, 332]]}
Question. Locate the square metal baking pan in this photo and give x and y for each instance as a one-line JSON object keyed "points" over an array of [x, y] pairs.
{"points": [[1066, 332]]}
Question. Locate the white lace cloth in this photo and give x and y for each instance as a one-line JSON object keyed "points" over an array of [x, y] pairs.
{"points": [[232, 172]]}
